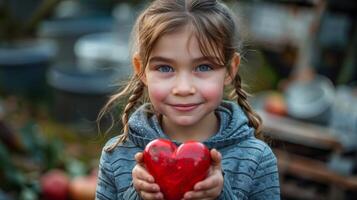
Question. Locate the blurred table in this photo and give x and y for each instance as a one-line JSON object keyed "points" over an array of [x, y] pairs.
{"points": [[304, 151]]}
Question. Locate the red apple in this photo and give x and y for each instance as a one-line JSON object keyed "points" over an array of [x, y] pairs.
{"points": [[275, 104], [83, 188], [55, 185]]}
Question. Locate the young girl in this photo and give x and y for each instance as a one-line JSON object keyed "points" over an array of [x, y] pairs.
{"points": [[186, 53]]}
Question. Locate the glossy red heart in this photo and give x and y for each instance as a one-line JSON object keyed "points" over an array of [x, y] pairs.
{"points": [[176, 170]]}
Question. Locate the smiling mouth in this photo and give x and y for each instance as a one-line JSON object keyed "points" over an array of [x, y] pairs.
{"points": [[185, 107]]}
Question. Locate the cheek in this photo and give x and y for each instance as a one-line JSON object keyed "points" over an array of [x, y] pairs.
{"points": [[157, 91], [213, 91], [212, 88]]}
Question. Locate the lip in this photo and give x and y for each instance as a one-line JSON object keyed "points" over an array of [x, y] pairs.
{"points": [[185, 107]]}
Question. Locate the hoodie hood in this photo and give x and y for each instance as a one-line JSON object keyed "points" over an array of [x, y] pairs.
{"points": [[145, 127]]}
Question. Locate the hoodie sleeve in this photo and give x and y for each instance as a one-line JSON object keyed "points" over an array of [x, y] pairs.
{"points": [[266, 178], [106, 189], [227, 192], [265, 181], [106, 184], [131, 194]]}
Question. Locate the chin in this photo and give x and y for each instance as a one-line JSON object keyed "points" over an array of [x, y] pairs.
{"points": [[184, 121]]}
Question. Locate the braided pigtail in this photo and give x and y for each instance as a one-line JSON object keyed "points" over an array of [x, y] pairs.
{"points": [[242, 98], [134, 90]]}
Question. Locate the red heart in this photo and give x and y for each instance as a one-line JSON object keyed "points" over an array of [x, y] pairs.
{"points": [[176, 170]]}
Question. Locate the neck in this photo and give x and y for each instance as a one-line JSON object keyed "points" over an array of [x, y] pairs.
{"points": [[200, 131]]}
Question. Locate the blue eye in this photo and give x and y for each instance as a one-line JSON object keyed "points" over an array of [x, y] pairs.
{"points": [[204, 68], [165, 68]]}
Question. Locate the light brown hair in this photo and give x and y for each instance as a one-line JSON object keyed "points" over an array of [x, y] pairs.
{"points": [[216, 30]]}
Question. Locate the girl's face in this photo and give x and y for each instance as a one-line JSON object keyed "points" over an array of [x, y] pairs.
{"points": [[183, 85]]}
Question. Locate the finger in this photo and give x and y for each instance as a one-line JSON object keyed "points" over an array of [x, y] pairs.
{"points": [[216, 157], [139, 172], [213, 180], [139, 157], [208, 183], [208, 198], [141, 185], [151, 195], [201, 194]]}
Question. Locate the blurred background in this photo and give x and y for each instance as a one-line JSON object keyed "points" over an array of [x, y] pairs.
{"points": [[61, 59]]}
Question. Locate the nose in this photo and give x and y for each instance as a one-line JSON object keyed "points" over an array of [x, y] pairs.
{"points": [[184, 85]]}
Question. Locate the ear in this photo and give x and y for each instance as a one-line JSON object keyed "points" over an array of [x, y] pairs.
{"points": [[234, 66], [137, 65]]}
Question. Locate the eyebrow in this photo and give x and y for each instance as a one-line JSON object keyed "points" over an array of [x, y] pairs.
{"points": [[169, 60]]}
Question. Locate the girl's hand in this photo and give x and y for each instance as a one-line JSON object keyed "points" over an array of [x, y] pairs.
{"points": [[143, 182], [211, 187]]}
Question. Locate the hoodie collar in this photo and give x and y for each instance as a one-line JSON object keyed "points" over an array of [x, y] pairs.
{"points": [[145, 127]]}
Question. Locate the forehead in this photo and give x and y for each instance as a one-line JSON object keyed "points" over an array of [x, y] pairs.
{"points": [[179, 44]]}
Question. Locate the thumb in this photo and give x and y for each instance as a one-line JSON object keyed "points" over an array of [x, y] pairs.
{"points": [[139, 158], [216, 158]]}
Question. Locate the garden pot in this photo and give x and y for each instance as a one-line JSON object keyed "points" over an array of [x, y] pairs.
{"points": [[65, 33], [79, 95], [23, 66], [311, 100], [124, 18], [103, 50]]}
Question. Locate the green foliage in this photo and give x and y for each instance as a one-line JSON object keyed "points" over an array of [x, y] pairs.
{"points": [[20, 171]]}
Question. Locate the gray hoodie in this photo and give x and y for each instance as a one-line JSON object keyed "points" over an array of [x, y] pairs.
{"points": [[249, 166]]}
